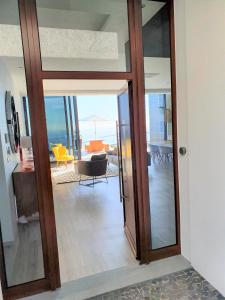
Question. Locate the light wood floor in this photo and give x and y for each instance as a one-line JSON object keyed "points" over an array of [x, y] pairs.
{"points": [[90, 223], [90, 231], [24, 258]]}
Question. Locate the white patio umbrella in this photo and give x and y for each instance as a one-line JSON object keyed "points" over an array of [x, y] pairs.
{"points": [[95, 119]]}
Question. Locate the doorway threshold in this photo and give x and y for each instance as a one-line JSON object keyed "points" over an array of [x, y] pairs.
{"points": [[115, 279]]}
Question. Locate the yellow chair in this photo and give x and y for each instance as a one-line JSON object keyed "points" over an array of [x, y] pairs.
{"points": [[60, 153]]}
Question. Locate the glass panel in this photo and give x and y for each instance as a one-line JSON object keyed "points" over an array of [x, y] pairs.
{"points": [[157, 62], [20, 234], [84, 35], [61, 124]]}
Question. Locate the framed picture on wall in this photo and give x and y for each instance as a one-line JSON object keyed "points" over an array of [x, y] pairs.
{"points": [[12, 122]]}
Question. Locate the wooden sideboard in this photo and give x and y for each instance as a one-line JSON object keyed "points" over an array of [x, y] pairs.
{"points": [[24, 182]]}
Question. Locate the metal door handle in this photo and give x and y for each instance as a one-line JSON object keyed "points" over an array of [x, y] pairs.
{"points": [[183, 150]]}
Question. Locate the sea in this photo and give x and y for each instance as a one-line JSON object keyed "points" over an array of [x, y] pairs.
{"points": [[108, 135]]}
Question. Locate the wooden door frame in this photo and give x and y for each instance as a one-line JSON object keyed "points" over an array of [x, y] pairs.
{"points": [[35, 76], [174, 249], [134, 247]]}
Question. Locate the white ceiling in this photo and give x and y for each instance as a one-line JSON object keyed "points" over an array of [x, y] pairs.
{"points": [[150, 8], [99, 15]]}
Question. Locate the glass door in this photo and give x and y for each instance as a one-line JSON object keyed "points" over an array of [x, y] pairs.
{"points": [[21, 237], [126, 160], [160, 131]]}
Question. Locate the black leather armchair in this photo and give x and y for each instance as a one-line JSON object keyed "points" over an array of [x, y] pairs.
{"points": [[95, 167]]}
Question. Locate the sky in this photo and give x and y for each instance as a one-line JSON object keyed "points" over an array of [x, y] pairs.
{"points": [[102, 106]]}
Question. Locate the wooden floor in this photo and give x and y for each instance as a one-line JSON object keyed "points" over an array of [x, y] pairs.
{"points": [[90, 223], [24, 258], [90, 230]]}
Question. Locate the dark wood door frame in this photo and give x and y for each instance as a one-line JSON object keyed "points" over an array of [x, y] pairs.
{"points": [[51, 279], [142, 209], [133, 241], [40, 141], [175, 249], [35, 76]]}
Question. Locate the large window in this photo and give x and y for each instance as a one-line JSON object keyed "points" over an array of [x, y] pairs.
{"points": [[61, 118]]}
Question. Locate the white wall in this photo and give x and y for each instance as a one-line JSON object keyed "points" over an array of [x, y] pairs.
{"points": [[201, 111], [7, 162], [7, 165], [182, 107], [157, 72]]}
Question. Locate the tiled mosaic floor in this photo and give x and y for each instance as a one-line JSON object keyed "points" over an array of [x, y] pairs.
{"points": [[184, 285]]}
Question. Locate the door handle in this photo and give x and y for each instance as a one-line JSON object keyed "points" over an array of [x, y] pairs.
{"points": [[182, 150], [124, 197]]}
